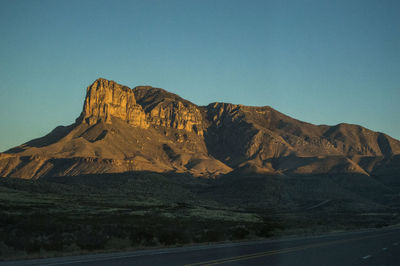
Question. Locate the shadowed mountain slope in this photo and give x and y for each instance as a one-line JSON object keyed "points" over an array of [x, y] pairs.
{"points": [[145, 128]]}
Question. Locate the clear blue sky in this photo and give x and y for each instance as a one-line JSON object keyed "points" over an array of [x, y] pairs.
{"points": [[323, 62]]}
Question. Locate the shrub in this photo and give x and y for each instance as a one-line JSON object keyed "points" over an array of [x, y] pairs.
{"points": [[239, 233], [118, 243], [5, 250], [173, 237], [212, 235], [91, 240], [141, 237]]}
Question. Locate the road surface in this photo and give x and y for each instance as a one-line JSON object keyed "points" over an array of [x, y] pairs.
{"points": [[377, 247]]}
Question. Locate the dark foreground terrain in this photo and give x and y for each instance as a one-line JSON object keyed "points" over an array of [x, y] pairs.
{"points": [[372, 247], [139, 210]]}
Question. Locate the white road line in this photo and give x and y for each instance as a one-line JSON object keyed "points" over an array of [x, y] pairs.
{"points": [[384, 248], [395, 244], [366, 257]]}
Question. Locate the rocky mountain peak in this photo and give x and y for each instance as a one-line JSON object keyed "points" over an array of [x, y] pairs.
{"points": [[141, 107], [106, 99]]}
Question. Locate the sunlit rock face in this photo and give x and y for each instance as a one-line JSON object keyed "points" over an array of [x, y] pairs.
{"points": [[105, 99], [168, 110], [176, 115]]}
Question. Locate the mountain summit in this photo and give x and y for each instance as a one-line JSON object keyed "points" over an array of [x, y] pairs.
{"points": [[149, 129]]}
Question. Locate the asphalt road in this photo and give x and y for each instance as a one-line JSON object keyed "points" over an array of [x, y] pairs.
{"points": [[378, 247]]}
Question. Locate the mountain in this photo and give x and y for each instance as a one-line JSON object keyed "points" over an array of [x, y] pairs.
{"points": [[150, 129]]}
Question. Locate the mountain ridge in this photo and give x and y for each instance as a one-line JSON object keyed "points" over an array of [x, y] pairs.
{"points": [[146, 128]]}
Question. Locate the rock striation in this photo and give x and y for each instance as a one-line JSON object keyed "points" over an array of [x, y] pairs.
{"points": [[166, 109], [106, 99]]}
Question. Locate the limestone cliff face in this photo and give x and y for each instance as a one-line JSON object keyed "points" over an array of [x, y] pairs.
{"points": [[177, 115], [166, 109], [105, 99]]}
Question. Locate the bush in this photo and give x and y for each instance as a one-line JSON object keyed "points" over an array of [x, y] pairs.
{"points": [[91, 240], [5, 250], [173, 237], [118, 243], [212, 236], [239, 233], [28, 242], [141, 237]]}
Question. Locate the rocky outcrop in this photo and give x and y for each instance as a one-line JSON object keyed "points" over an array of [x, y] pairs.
{"points": [[106, 99], [166, 109]]}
